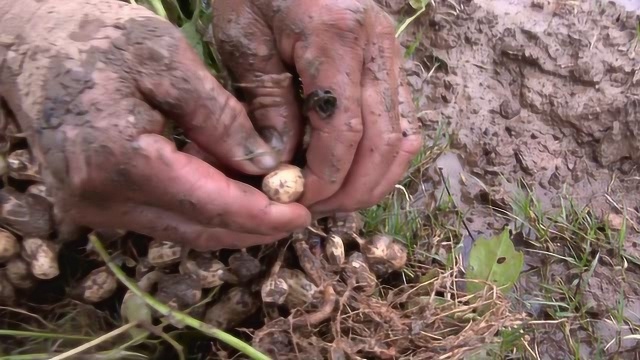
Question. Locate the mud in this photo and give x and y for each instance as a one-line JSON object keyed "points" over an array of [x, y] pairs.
{"points": [[543, 93], [549, 95]]}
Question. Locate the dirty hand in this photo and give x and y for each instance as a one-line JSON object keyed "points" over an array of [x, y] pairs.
{"points": [[92, 83], [358, 152]]}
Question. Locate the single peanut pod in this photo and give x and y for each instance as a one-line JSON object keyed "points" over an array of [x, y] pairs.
{"points": [[40, 189], [23, 166], [98, 285], [42, 256], [334, 249], [244, 266], [179, 291], [357, 271], [274, 290], [26, 214], [163, 253], [211, 272], [285, 184], [19, 274], [232, 308], [345, 224], [9, 246], [301, 291], [384, 254]]}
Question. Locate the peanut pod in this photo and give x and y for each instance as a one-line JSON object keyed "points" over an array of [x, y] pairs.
{"points": [[233, 307], [285, 184], [19, 273], [163, 253], [301, 291], [42, 256], [29, 215], [383, 254], [98, 285], [9, 246]]}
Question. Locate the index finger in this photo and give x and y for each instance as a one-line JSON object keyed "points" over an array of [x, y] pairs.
{"points": [[330, 64], [185, 185]]}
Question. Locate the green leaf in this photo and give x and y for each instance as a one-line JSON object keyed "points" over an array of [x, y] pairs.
{"points": [[495, 261], [418, 4], [191, 33]]}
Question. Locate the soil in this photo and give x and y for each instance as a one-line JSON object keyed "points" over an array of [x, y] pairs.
{"points": [[542, 93]]}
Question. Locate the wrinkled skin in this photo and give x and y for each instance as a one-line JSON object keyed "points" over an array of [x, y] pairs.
{"points": [[92, 82], [348, 47]]}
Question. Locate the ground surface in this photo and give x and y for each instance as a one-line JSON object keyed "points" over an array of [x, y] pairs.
{"points": [[547, 94]]}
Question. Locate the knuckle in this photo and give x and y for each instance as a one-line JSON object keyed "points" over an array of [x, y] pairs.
{"points": [[349, 132], [412, 144], [391, 139], [345, 17], [353, 128], [231, 112]]}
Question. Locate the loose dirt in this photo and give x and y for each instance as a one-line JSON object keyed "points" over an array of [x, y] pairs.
{"points": [[542, 93]]}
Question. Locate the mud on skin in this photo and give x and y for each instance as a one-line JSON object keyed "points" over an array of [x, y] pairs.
{"points": [[358, 105], [92, 95]]}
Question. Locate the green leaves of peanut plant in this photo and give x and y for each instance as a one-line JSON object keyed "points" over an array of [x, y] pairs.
{"points": [[195, 39], [494, 260]]}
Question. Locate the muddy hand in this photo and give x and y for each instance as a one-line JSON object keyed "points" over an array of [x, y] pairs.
{"points": [[365, 131], [92, 82]]}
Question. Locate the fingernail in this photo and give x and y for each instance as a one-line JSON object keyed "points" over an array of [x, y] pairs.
{"points": [[272, 137], [265, 161]]}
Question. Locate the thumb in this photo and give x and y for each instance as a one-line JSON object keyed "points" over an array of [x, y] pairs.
{"points": [[247, 48], [184, 90]]}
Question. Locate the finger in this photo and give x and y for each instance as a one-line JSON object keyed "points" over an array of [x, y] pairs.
{"points": [[382, 134], [331, 60], [411, 143], [182, 88], [166, 226], [247, 47], [194, 150], [192, 188]]}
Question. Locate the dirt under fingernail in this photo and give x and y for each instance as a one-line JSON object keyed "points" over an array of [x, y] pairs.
{"points": [[272, 137]]}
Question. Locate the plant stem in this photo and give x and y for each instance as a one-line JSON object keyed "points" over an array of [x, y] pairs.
{"points": [[167, 311], [95, 342], [42, 335], [158, 8]]}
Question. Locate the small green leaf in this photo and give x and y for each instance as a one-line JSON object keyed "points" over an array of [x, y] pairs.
{"points": [[496, 261], [191, 33], [418, 4]]}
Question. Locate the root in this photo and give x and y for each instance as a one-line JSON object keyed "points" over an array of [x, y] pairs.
{"points": [[324, 313]]}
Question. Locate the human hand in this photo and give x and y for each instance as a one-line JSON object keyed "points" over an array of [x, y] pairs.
{"points": [[92, 83], [358, 152]]}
